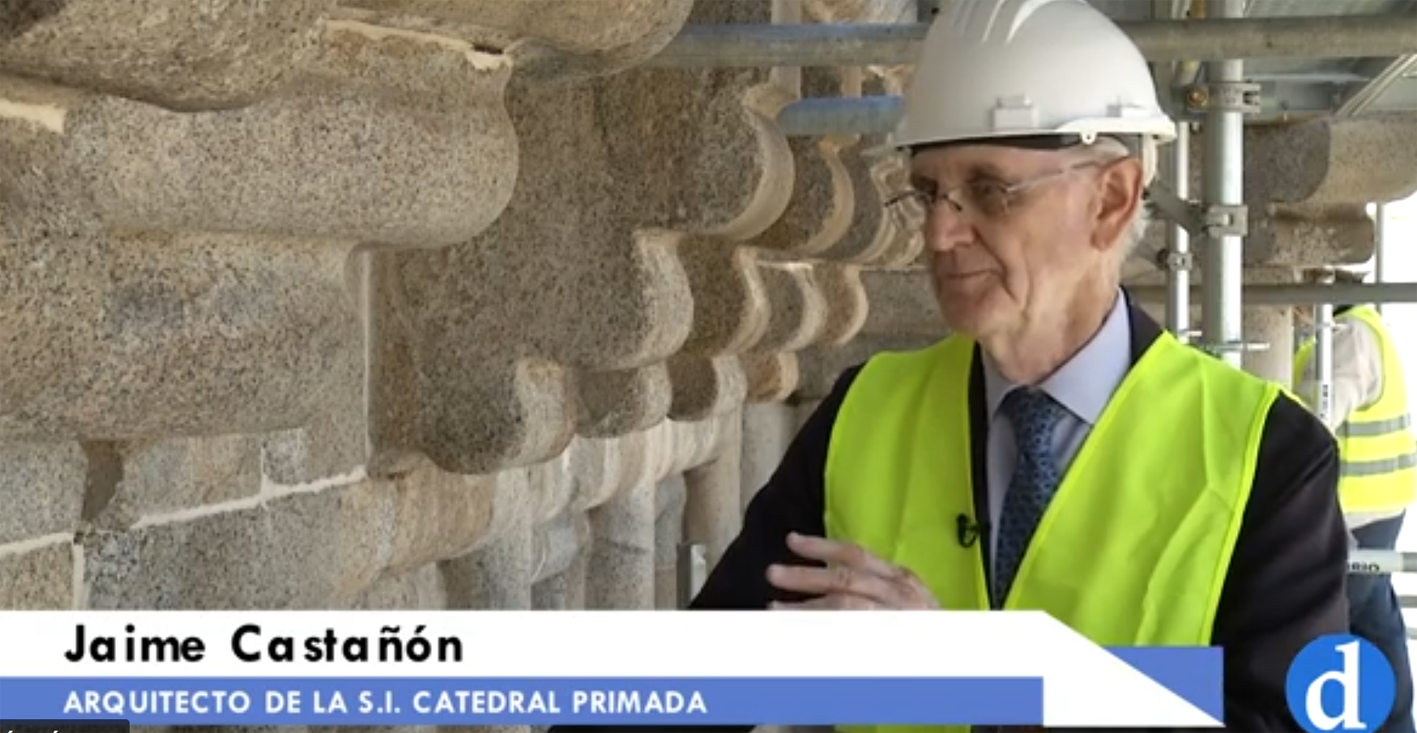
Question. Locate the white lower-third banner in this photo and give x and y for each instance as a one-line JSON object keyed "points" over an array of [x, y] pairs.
{"points": [[628, 668]]}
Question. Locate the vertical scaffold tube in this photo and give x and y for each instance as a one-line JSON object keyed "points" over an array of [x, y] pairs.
{"points": [[1178, 280], [1323, 358], [1224, 186], [1380, 258]]}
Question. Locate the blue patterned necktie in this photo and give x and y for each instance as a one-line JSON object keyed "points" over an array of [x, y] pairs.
{"points": [[1034, 417]]}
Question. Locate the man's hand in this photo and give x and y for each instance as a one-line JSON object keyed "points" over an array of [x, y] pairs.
{"points": [[853, 579]]}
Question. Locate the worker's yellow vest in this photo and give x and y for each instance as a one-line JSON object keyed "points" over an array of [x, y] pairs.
{"points": [[1375, 444], [1133, 549]]}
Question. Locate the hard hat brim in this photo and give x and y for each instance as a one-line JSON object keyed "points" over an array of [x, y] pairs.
{"points": [[1161, 130]]}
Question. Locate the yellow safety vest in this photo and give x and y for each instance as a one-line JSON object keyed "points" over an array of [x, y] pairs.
{"points": [[1375, 444], [1135, 546]]}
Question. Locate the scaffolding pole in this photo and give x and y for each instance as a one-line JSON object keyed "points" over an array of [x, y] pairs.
{"points": [[872, 44], [1221, 324], [1178, 246], [1300, 294], [1323, 358], [1380, 258]]}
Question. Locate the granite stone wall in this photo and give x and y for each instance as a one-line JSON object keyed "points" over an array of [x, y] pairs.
{"points": [[406, 304], [446, 304]]}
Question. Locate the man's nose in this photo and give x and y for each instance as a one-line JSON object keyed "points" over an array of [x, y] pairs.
{"points": [[945, 229]]}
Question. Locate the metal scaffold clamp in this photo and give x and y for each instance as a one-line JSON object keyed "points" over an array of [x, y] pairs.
{"points": [[1172, 261], [1220, 349], [1223, 96], [1216, 220]]}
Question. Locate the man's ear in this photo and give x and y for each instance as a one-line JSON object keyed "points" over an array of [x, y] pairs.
{"points": [[1120, 192]]}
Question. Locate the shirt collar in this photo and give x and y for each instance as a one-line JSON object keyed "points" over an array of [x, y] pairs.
{"points": [[1085, 383]]}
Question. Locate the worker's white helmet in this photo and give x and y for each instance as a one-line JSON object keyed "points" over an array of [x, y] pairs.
{"points": [[1023, 68]]}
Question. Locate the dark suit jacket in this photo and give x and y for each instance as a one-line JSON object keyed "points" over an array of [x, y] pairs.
{"points": [[1286, 581]]}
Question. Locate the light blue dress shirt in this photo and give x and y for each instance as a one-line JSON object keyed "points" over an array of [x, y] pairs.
{"points": [[1083, 385]]}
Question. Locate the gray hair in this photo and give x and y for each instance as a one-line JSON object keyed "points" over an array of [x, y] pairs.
{"points": [[1111, 148]]}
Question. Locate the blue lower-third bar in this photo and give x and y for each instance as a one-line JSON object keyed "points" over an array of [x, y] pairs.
{"points": [[529, 701]]}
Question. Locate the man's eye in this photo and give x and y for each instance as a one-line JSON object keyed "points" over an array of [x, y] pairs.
{"points": [[989, 197]]}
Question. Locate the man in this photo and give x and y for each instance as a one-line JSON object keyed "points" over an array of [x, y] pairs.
{"points": [[1195, 504], [1378, 470]]}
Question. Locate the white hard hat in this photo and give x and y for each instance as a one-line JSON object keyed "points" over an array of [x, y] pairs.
{"points": [[995, 69]]}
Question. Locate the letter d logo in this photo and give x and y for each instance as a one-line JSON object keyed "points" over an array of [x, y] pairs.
{"points": [[1340, 683]]}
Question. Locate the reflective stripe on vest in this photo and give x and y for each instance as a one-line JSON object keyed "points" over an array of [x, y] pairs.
{"points": [[1376, 444], [1133, 549]]}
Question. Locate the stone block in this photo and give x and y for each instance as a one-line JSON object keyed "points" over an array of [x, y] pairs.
{"points": [[670, 498], [877, 236], [420, 589], [585, 272], [438, 515], [901, 302], [37, 577], [622, 402], [407, 137], [179, 54], [546, 37], [622, 556], [706, 387], [41, 489], [193, 277], [161, 477], [146, 336], [1308, 184], [559, 543], [847, 305], [713, 511], [797, 308], [307, 550], [821, 366], [771, 376]]}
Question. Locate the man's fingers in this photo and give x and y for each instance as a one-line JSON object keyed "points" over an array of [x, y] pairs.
{"points": [[852, 572], [827, 603], [835, 580], [840, 553]]}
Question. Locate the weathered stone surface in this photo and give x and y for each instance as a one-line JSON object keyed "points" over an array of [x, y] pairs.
{"points": [[438, 515], [670, 498], [407, 137], [622, 557], [847, 305], [180, 54], [37, 577], [711, 514], [862, 11], [1308, 185], [151, 335], [391, 304], [705, 387], [593, 239], [295, 552], [41, 489], [156, 261], [160, 477], [902, 302], [820, 366], [545, 36], [771, 377], [1314, 180], [877, 235], [421, 589]]}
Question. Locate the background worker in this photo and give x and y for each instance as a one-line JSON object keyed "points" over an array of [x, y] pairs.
{"points": [[1378, 468], [1195, 503]]}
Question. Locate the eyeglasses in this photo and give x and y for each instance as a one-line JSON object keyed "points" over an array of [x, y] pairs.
{"points": [[984, 197]]}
